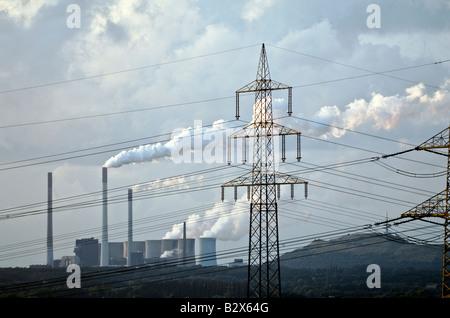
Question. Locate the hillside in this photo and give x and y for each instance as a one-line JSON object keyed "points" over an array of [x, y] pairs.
{"points": [[364, 249]]}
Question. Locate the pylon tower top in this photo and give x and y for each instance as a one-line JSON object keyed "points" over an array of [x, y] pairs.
{"points": [[263, 66]]}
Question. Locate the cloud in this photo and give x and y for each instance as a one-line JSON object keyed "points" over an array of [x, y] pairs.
{"points": [[23, 12], [319, 37], [254, 9], [386, 112], [413, 46]]}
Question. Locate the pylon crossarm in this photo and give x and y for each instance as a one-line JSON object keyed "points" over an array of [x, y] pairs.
{"points": [[280, 178], [419, 218], [283, 130], [244, 180], [432, 150], [436, 206], [255, 86], [440, 140], [249, 131]]}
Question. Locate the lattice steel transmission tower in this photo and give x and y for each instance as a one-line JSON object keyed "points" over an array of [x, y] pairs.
{"points": [[438, 205], [263, 182]]}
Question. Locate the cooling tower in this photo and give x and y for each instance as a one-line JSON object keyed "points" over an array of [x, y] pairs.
{"points": [[207, 251], [153, 248], [186, 256], [169, 249], [137, 246]]}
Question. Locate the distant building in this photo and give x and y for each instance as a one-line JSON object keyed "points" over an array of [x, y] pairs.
{"points": [[67, 260], [87, 252], [237, 262]]}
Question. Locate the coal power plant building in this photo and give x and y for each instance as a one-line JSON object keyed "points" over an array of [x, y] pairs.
{"points": [[92, 252], [87, 252], [154, 252]]}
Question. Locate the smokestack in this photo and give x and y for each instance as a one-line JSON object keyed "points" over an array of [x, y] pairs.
{"points": [[184, 242], [50, 220], [130, 226], [186, 248], [105, 245]]}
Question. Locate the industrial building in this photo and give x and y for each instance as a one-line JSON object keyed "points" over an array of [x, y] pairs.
{"points": [[90, 252], [87, 252], [165, 251]]}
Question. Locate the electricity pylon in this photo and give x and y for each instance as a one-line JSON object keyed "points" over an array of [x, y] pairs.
{"points": [[263, 182], [438, 205]]}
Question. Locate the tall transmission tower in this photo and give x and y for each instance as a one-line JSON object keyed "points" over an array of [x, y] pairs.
{"points": [[263, 182], [438, 205]]}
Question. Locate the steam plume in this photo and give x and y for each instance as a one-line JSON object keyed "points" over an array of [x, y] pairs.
{"points": [[224, 222], [181, 141]]}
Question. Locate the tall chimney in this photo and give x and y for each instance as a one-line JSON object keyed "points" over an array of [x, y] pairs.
{"points": [[184, 242], [105, 245], [130, 226], [50, 220]]}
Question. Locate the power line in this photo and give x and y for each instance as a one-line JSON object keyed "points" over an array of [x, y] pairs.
{"points": [[122, 198], [40, 207], [358, 177], [116, 113], [384, 73], [123, 71], [206, 100], [351, 130], [94, 148]]}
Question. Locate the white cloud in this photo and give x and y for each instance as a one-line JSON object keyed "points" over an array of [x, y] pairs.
{"points": [[320, 37], [387, 112], [412, 45], [23, 12], [254, 9]]}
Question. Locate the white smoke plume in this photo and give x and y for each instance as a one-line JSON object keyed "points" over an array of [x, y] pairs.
{"points": [[176, 182], [204, 144], [169, 254], [183, 143], [225, 221]]}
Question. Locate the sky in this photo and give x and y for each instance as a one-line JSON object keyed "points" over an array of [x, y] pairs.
{"points": [[82, 82]]}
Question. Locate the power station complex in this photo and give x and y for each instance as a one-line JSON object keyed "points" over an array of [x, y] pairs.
{"points": [[90, 252], [153, 252]]}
